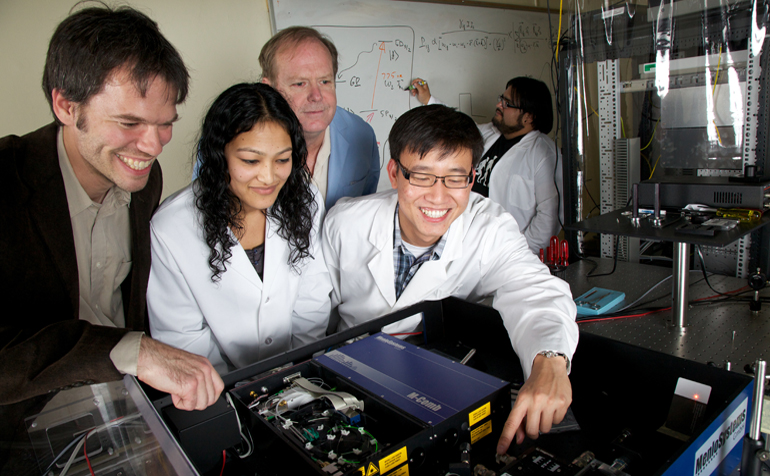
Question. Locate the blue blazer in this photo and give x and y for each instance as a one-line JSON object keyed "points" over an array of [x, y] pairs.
{"points": [[354, 161]]}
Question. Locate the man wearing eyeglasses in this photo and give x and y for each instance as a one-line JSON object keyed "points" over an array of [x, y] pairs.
{"points": [[430, 238], [520, 168]]}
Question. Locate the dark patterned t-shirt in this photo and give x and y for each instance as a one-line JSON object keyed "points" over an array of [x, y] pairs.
{"points": [[488, 162]]}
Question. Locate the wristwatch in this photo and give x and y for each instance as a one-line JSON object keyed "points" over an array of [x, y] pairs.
{"points": [[549, 354]]}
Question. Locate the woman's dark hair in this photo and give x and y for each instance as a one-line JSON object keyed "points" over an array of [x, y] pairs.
{"points": [[235, 111]]}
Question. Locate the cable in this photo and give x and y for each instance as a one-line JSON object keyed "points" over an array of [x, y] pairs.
{"points": [[62, 452], [240, 430], [701, 301], [614, 262], [324, 429], [558, 193], [110, 424], [85, 453], [611, 318], [653, 135], [713, 96], [645, 294], [716, 76], [224, 459], [703, 268], [655, 166], [550, 42], [561, 4]]}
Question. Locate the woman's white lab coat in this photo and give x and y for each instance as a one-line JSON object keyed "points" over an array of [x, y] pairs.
{"points": [[240, 319]]}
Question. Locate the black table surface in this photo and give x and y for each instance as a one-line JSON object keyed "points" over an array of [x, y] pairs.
{"points": [[615, 223]]}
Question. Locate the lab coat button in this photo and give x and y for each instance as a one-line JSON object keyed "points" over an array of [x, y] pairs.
{"points": [[267, 299], [268, 341]]}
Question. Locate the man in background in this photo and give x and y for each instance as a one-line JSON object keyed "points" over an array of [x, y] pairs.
{"points": [[77, 196], [343, 156], [520, 168], [431, 238]]}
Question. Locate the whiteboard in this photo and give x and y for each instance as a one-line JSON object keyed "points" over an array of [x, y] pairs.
{"points": [[467, 54]]}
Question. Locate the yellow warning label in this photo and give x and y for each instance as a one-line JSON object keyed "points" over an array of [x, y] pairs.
{"points": [[362, 470], [392, 460], [402, 471], [372, 470], [479, 414], [481, 431]]}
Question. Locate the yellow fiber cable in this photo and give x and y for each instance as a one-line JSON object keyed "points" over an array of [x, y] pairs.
{"points": [[653, 169], [589, 104], [714, 97], [719, 136], [558, 32], [716, 77], [651, 138]]}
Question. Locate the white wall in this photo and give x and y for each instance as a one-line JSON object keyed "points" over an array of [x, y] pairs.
{"points": [[218, 40]]}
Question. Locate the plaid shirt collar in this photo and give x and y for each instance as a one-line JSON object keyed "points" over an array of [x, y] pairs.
{"points": [[404, 264]]}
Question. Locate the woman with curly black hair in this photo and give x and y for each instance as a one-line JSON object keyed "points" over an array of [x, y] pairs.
{"points": [[237, 269]]}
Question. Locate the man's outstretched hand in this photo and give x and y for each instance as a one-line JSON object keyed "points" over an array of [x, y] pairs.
{"points": [[543, 401]]}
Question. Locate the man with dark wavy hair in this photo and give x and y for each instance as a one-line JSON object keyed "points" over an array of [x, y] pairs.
{"points": [[77, 196]]}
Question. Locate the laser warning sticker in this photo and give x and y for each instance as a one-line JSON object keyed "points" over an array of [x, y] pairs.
{"points": [[392, 460], [480, 432], [402, 471], [479, 414]]}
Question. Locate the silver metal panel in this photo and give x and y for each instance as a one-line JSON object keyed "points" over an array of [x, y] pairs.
{"points": [[626, 174], [709, 335], [609, 129]]}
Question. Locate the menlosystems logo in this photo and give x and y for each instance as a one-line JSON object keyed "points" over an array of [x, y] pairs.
{"points": [[390, 343], [722, 441]]}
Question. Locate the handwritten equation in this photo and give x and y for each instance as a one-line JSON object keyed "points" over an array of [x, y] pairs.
{"points": [[464, 59], [524, 36]]}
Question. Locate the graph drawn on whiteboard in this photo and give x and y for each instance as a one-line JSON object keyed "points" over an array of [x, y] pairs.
{"points": [[467, 54], [371, 77]]}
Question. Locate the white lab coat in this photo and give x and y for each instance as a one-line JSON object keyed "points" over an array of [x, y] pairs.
{"points": [[523, 183], [485, 255], [240, 319]]}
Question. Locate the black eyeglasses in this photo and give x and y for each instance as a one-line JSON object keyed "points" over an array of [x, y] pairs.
{"points": [[506, 104], [419, 179]]}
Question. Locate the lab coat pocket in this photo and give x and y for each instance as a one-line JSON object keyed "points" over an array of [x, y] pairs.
{"points": [[521, 192]]}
